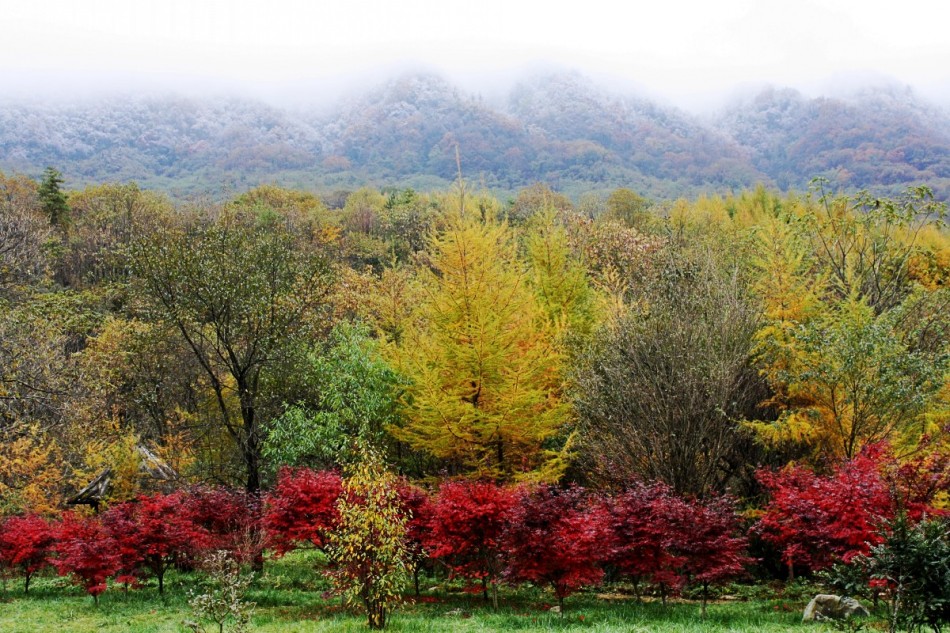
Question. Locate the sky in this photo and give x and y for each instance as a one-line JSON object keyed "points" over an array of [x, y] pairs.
{"points": [[692, 53]]}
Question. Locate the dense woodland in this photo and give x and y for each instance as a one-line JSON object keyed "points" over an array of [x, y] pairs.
{"points": [[771, 367], [561, 128]]}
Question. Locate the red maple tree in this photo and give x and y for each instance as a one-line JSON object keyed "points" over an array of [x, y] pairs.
{"points": [[86, 551], [301, 508], [640, 541], [153, 533], [466, 528], [710, 543], [554, 538], [814, 520], [231, 518], [25, 543], [418, 506]]}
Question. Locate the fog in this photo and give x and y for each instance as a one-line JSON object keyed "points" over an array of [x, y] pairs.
{"points": [[692, 54]]}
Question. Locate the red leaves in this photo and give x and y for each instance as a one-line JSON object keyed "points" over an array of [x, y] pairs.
{"points": [[554, 538], [85, 550], [155, 531], [467, 525], [302, 508], [25, 542], [815, 520]]}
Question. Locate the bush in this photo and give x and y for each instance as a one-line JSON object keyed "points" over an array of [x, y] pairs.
{"points": [[911, 568]]}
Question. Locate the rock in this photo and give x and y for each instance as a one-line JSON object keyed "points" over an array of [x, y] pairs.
{"points": [[555, 609], [829, 607]]}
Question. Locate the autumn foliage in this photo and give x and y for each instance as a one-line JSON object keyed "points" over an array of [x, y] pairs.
{"points": [[25, 542], [87, 552], [301, 508], [468, 525], [554, 538], [154, 532], [814, 520]]}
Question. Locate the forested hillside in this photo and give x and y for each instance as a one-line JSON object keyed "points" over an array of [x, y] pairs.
{"points": [[562, 129], [528, 393]]}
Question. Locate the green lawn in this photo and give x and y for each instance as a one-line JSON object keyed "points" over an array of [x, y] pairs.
{"points": [[291, 598]]}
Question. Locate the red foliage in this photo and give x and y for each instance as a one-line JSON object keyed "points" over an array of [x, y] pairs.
{"points": [[231, 519], [25, 543], [301, 508], [554, 537], [468, 521], [416, 503], [710, 543], [916, 483], [815, 520], [154, 532], [640, 540], [85, 550]]}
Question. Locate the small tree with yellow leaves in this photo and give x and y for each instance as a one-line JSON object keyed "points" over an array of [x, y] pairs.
{"points": [[368, 547]]}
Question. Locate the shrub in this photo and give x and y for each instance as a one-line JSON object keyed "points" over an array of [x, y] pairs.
{"points": [[553, 538], [25, 543]]}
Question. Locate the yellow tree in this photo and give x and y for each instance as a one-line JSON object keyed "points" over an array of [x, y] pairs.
{"points": [[484, 365]]}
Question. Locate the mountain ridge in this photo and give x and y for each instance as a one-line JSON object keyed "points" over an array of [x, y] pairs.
{"points": [[561, 128]]}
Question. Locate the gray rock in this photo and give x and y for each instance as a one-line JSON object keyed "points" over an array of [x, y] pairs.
{"points": [[829, 607]]}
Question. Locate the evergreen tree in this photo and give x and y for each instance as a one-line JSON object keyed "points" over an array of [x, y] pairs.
{"points": [[53, 199]]}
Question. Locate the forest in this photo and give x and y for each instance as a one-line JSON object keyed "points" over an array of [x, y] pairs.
{"points": [[663, 397]]}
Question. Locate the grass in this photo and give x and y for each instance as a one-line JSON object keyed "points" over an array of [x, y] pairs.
{"points": [[292, 598]]}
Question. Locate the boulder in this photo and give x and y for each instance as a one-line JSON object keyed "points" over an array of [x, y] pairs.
{"points": [[829, 607]]}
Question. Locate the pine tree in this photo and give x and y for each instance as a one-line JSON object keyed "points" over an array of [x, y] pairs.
{"points": [[53, 199]]}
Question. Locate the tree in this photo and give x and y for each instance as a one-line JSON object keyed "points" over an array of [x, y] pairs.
{"points": [[554, 538], [484, 370], [85, 550], [559, 277], [302, 508], [711, 543], [239, 289], [352, 395], [816, 520], [911, 567], [25, 544], [468, 522], [639, 536], [24, 234], [230, 518], [367, 547], [847, 380], [52, 198], [155, 532], [419, 510], [628, 207], [659, 393], [866, 243]]}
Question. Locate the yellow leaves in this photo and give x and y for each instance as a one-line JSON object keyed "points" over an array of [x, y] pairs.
{"points": [[793, 427], [31, 477], [481, 354]]}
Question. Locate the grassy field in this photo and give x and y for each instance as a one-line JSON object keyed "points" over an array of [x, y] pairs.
{"points": [[291, 598]]}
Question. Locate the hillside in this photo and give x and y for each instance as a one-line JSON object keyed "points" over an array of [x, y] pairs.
{"points": [[561, 129]]}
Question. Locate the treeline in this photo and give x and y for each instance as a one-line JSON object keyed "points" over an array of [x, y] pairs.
{"points": [[601, 343], [562, 538]]}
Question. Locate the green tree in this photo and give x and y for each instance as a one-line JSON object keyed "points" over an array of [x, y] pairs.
{"points": [[628, 207], [53, 199], [242, 291], [353, 396], [847, 379]]}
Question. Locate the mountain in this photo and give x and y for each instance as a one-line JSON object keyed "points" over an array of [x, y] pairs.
{"points": [[558, 128], [883, 138]]}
